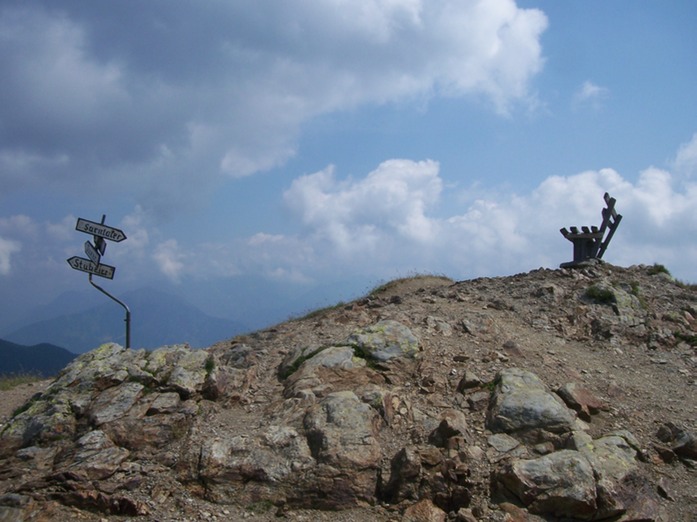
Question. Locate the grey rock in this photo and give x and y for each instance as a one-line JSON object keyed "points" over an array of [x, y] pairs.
{"points": [[227, 463], [439, 326], [453, 423], [385, 340], [115, 402], [97, 457], [405, 473], [521, 401], [502, 443], [341, 431], [478, 401], [188, 375], [561, 484], [469, 380], [682, 442], [164, 403], [335, 357]]}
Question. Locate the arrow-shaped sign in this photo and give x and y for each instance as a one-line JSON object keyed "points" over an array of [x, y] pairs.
{"points": [[98, 229], [92, 253], [80, 263]]}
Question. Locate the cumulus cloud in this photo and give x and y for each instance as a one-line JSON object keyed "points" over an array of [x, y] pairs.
{"points": [[7, 248], [391, 201], [390, 219], [169, 97]]}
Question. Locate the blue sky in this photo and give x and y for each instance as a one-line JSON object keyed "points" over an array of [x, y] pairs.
{"points": [[319, 146]]}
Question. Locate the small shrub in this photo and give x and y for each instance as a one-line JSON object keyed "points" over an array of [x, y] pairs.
{"points": [[210, 365], [600, 294], [658, 269], [690, 339]]}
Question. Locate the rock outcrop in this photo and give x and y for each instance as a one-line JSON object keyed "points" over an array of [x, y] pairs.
{"points": [[488, 400]]}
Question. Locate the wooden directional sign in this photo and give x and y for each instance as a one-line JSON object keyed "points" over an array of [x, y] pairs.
{"points": [[80, 263], [92, 253], [100, 230]]}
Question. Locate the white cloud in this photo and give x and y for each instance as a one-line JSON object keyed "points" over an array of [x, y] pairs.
{"points": [[7, 249], [686, 159], [170, 259], [362, 215], [387, 221], [19, 225], [590, 94], [194, 91], [135, 226]]}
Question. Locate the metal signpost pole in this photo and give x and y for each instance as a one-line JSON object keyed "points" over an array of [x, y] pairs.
{"points": [[128, 312], [94, 265]]}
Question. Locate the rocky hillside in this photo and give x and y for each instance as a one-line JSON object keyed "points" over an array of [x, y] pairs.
{"points": [[553, 395]]}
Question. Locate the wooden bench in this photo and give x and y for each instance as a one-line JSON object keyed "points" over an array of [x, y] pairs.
{"points": [[589, 242]]}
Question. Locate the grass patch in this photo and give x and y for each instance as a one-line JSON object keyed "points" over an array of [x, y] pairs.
{"points": [[370, 362], [686, 286], [384, 287], [313, 314], [260, 506], [636, 292], [690, 339], [24, 407], [658, 269], [289, 370], [600, 294], [7, 382]]}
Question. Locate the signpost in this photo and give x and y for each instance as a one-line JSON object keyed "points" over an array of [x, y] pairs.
{"points": [[93, 266], [100, 230], [85, 265], [92, 253]]}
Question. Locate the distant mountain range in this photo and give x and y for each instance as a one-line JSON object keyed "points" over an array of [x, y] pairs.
{"points": [[157, 319], [41, 359]]}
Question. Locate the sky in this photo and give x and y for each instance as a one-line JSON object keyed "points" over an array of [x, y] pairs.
{"points": [[319, 146]]}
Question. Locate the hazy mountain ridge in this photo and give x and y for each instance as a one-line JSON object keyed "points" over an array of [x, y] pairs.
{"points": [[157, 319], [40, 359]]}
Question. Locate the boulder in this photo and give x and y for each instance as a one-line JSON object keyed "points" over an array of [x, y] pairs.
{"points": [[521, 401], [561, 484], [341, 431], [385, 340], [613, 460]]}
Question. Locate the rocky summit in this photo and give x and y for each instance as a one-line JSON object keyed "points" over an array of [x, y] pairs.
{"points": [[554, 395]]}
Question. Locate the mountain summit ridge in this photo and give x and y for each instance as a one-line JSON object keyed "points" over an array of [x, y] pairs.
{"points": [[552, 395]]}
